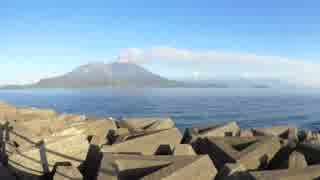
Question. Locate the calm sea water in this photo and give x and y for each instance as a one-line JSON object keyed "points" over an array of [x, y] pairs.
{"points": [[249, 107]]}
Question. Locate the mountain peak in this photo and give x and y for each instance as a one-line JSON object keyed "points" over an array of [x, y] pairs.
{"points": [[94, 63], [99, 74]]}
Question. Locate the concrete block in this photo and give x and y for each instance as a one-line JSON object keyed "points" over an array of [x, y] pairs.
{"points": [[231, 171], [65, 171], [311, 137], [72, 117], [66, 120], [164, 149], [297, 161], [245, 133], [281, 159], [160, 125], [48, 125], [73, 149], [217, 130], [289, 160], [13, 114], [38, 127], [96, 140], [98, 128], [190, 136], [70, 131], [200, 168], [252, 152], [119, 166], [7, 113], [183, 150], [306, 135], [135, 123], [21, 137], [308, 173], [286, 132], [146, 143], [228, 129], [122, 131], [119, 135], [310, 151], [24, 137], [146, 124], [27, 114]]}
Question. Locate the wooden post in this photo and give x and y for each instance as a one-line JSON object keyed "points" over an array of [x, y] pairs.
{"points": [[2, 143], [7, 131], [3, 136], [43, 157], [6, 137]]}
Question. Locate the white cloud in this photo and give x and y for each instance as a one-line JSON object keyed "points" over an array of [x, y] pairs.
{"points": [[293, 70], [131, 55], [141, 56]]}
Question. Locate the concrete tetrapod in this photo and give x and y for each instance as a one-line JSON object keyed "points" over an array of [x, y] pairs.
{"points": [[146, 143], [134, 167], [308, 173], [146, 124], [217, 130], [252, 152]]}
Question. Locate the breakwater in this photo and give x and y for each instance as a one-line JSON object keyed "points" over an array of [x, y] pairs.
{"points": [[42, 144]]}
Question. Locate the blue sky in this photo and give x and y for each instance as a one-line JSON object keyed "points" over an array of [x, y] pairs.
{"points": [[45, 38]]}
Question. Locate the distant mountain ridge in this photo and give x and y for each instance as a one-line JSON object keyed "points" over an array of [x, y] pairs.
{"points": [[101, 74], [97, 75]]}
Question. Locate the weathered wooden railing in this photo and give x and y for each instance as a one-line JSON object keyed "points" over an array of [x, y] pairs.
{"points": [[5, 138], [43, 157]]}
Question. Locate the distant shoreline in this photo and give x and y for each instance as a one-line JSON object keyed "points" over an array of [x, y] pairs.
{"points": [[22, 87]]}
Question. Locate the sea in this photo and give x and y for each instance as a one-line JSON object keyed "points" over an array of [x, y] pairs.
{"points": [[250, 107]]}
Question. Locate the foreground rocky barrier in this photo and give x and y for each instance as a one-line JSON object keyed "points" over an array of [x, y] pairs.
{"points": [[42, 144]]}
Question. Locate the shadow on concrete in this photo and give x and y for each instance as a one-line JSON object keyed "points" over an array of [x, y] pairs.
{"points": [[16, 167]]}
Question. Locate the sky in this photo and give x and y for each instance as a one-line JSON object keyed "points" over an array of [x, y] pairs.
{"points": [[203, 39]]}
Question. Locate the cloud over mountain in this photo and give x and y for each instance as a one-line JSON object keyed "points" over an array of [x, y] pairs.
{"points": [[294, 71]]}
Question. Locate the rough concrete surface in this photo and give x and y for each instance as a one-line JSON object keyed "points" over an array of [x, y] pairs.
{"points": [[40, 144]]}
